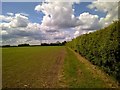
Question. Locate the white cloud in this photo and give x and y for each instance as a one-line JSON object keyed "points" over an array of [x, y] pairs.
{"points": [[58, 24], [75, 1], [5, 18], [59, 35], [77, 33], [3, 32], [19, 28], [4, 25], [10, 14], [110, 8], [38, 8], [16, 35], [33, 26], [58, 14], [90, 22], [19, 21]]}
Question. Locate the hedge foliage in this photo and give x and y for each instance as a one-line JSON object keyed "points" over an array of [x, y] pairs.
{"points": [[101, 47]]}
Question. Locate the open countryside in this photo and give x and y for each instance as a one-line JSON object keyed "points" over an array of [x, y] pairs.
{"points": [[51, 67], [60, 44]]}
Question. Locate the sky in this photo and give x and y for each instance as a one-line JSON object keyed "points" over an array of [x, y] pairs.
{"points": [[48, 22]]}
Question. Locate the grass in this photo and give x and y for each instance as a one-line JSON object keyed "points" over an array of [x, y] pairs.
{"points": [[30, 66], [50, 67], [79, 73]]}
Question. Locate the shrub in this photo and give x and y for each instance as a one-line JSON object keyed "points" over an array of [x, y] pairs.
{"points": [[101, 47]]}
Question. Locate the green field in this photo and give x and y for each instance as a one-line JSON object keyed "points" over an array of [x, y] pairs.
{"points": [[50, 67]]}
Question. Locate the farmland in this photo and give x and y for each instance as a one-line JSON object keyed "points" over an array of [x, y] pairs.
{"points": [[50, 67], [31, 67]]}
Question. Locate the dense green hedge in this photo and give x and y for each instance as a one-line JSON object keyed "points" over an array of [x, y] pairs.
{"points": [[102, 48]]}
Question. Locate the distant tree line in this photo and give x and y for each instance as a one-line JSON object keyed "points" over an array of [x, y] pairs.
{"points": [[21, 45], [54, 44], [42, 44]]}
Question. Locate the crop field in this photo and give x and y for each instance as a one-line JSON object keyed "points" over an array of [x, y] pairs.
{"points": [[50, 67]]}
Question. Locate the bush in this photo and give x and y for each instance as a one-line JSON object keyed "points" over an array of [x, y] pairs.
{"points": [[102, 48]]}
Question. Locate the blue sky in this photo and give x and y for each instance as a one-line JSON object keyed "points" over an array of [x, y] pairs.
{"points": [[33, 22], [36, 17], [82, 7], [22, 7]]}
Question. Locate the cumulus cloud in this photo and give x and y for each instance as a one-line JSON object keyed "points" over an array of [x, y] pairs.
{"points": [[18, 28], [32, 33], [10, 14], [15, 34], [90, 22], [59, 22], [5, 18], [3, 32], [60, 35], [4, 26], [58, 14], [110, 8], [77, 33], [19, 21], [33, 26]]}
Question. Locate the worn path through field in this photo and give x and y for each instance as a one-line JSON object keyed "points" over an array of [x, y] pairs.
{"points": [[80, 73], [50, 67]]}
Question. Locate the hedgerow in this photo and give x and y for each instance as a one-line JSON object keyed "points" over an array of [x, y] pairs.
{"points": [[101, 47]]}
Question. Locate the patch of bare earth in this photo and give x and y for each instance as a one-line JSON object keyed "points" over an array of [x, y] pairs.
{"points": [[54, 76]]}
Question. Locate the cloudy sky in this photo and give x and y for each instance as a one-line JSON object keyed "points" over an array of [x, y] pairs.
{"points": [[36, 22]]}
